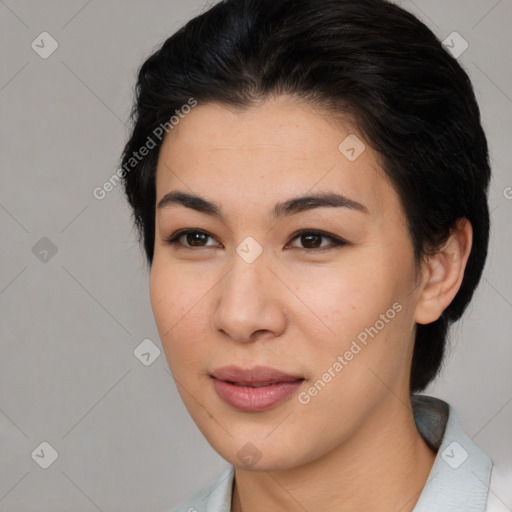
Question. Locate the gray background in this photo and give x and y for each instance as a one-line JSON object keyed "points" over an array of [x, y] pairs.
{"points": [[70, 321]]}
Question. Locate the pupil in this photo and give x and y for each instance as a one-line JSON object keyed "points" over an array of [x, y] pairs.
{"points": [[311, 241], [195, 239]]}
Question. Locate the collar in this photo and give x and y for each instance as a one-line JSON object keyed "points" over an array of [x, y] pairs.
{"points": [[460, 477]]}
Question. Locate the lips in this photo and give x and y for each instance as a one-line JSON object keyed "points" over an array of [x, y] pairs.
{"points": [[254, 377], [255, 389]]}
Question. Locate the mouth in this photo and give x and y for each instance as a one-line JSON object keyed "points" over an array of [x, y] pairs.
{"points": [[257, 376], [252, 384], [255, 389]]}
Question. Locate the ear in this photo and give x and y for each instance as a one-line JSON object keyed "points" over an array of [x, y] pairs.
{"points": [[442, 273]]}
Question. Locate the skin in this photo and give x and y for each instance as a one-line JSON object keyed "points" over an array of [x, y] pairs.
{"points": [[296, 309]]}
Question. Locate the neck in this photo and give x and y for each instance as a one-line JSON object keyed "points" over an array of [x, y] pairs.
{"points": [[384, 467]]}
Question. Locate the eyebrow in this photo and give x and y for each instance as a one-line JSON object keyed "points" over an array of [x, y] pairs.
{"points": [[289, 207]]}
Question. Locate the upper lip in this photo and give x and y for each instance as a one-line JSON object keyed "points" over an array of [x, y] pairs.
{"points": [[254, 375]]}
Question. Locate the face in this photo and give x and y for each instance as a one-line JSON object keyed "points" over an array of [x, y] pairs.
{"points": [[287, 323]]}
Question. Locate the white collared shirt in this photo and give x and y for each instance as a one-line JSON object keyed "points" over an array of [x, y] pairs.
{"points": [[458, 481]]}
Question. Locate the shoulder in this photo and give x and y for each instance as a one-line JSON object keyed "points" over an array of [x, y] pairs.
{"points": [[500, 490], [216, 496]]}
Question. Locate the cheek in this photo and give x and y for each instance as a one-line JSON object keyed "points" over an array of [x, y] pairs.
{"points": [[362, 313], [344, 300], [163, 295], [177, 305]]}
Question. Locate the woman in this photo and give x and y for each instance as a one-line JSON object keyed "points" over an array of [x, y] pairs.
{"points": [[309, 180]]}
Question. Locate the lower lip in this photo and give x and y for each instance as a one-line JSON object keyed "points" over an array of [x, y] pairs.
{"points": [[255, 399]]}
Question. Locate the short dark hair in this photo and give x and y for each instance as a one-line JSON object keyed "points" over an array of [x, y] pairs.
{"points": [[367, 59]]}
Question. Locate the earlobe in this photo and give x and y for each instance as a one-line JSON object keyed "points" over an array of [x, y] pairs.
{"points": [[442, 273]]}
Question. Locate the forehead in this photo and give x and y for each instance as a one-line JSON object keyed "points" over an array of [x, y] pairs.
{"points": [[276, 149]]}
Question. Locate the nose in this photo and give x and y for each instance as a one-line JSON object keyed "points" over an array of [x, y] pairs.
{"points": [[250, 302]]}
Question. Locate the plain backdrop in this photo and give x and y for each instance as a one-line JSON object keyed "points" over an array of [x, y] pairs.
{"points": [[74, 287]]}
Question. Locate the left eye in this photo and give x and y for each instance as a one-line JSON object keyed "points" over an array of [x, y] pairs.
{"points": [[313, 240]]}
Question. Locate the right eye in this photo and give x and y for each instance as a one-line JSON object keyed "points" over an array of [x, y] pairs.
{"points": [[190, 238]]}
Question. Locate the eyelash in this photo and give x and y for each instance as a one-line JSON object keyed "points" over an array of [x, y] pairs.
{"points": [[335, 241]]}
